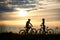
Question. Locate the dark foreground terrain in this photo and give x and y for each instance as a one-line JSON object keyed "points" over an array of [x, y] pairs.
{"points": [[12, 36]]}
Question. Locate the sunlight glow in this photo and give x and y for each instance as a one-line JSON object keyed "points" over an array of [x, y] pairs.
{"points": [[22, 13]]}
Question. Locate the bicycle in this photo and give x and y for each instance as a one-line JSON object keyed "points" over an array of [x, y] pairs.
{"points": [[31, 31], [47, 31]]}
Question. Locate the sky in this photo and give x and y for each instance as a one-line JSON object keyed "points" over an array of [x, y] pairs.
{"points": [[33, 9]]}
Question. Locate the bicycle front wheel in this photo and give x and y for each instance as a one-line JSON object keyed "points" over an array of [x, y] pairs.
{"points": [[33, 31], [50, 31]]}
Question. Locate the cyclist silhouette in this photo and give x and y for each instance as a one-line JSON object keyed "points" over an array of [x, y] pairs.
{"points": [[43, 25], [28, 25]]}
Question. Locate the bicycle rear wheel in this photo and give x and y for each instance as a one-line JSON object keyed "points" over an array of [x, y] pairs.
{"points": [[22, 32], [39, 31]]}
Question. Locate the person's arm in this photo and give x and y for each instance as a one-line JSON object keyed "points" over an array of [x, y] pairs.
{"points": [[31, 24]]}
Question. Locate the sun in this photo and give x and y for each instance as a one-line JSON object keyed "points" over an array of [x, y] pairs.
{"points": [[22, 13]]}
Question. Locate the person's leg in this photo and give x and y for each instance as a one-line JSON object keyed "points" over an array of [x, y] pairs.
{"points": [[44, 30], [26, 30]]}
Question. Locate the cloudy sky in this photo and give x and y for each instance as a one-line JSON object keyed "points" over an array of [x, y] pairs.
{"points": [[36, 10]]}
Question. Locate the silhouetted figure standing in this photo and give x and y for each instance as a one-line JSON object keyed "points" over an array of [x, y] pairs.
{"points": [[28, 25], [43, 25]]}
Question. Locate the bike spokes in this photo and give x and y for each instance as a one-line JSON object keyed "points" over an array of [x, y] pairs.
{"points": [[22, 32], [50, 31]]}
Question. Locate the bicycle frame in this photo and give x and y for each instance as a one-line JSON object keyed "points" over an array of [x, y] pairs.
{"points": [[31, 31]]}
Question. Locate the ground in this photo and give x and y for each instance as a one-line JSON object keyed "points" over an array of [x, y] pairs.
{"points": [[13, 36]]}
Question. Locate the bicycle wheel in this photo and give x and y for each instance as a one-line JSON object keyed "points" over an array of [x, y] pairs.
{"points": [[22, 32], [33, 31], [39, 31], [50, 31]]}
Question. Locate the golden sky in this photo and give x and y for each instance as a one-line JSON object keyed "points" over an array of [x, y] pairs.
{"points": [[50, 10]]}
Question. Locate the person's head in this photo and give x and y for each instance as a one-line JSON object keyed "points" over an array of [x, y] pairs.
{"points": [[29, 19], [43, 19]]}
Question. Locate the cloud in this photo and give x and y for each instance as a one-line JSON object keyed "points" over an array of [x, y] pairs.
{"points": [[5, 9], [2, 0], [23, 3], [52, 13], [58, 1], [49, 14]]}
